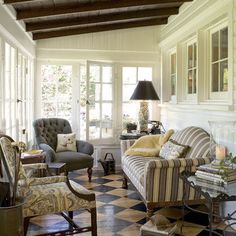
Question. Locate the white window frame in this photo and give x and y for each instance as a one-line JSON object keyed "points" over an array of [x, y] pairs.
{"points": [[110, 140], [189, 97], [173, 97], [220, 95], [21, 98]]}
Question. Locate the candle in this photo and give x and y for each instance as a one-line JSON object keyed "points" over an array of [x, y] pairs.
{"points": [[220, 152]]}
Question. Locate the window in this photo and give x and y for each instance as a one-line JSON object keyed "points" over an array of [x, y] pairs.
{"points": [[17, 94], [130, 77], [173, 73], [192, 68], [57, 91], [219, 60], [10, 97], [100, 101]]}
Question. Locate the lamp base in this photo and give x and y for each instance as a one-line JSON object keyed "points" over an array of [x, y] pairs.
{"points": [[143, 116]]}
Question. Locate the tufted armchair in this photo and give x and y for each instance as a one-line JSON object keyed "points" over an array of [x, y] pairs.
{"points": [[48, 195], [46, 130]]}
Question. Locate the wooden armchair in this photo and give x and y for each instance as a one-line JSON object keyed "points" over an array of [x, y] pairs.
{"points": [[47, 195]]}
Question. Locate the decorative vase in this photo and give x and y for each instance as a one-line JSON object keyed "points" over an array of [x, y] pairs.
{"points": [[223, 139], [11, 222]]}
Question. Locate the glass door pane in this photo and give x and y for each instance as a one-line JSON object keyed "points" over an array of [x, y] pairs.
{"points": [[100, 101]]}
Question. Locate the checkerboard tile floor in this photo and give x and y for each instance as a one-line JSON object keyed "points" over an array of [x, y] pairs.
{"points": [[119, 212]]}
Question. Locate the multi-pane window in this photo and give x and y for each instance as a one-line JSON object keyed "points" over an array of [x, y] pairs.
{"points": [[192, 68], [10, 98], [173, 73], [130, 78], [219, 60], [100, 101], [17, 94], [57, 91]]}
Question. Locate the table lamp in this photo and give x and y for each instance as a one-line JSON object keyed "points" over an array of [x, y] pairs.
{"points": [[144, 91]]}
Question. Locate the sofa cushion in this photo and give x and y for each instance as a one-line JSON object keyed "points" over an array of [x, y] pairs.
{"points": [[173, 150], [71, 160], [196, 138]]}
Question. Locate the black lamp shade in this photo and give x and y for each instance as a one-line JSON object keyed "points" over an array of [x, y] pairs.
{"points": [[144, 91]]}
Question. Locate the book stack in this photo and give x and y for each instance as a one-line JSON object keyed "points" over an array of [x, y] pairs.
{"points": [[216, 176], [30, 153]]}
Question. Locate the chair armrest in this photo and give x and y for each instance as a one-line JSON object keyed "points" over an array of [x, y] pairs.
{"points": [[125, 144], [161, 178], [50, 153], [84, 147], [47, 180]]}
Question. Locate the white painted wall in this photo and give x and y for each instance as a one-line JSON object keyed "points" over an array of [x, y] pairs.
{"points": [[193, 20], [13, 31]]}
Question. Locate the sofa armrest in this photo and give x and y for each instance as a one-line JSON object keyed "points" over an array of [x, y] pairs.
{"points": [[84, 147], [161, 178], [50, 153], [125, 144]]}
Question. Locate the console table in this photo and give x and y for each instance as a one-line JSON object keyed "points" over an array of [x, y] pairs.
{"points": [[213, 196]]}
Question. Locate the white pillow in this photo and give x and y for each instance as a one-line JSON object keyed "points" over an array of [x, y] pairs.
{"points": [[66, 142]]}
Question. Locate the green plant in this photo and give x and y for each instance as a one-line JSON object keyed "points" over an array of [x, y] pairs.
{"points": [[226, 164], [131, 126]]}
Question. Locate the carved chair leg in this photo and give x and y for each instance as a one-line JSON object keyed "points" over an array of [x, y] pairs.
{"points": [[26, 224], [90, 171], [94, 221], [125, 183]]}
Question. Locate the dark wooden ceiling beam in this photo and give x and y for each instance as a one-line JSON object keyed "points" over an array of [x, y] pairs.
{"points": [[98, 28], [17, 1], [86, 7], [50, 24]]}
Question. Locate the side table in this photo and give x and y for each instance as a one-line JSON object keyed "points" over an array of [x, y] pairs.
{"points": [[32, 158], [212, 195], [56, 168]]}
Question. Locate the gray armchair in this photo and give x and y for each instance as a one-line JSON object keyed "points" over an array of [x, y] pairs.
{"points": [[46, 130]]}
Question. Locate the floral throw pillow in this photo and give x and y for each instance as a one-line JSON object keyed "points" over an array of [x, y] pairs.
{"points": [[173, 150], [66, 142]]}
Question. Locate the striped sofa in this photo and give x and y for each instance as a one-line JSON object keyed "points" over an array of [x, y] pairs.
{"points": [[157, 180]]}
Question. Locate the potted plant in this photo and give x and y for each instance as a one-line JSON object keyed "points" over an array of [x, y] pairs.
{"points": [[131, 126], [11, 214]]}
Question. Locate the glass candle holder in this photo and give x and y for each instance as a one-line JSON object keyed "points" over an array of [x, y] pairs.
{"points": [[223, 140]]}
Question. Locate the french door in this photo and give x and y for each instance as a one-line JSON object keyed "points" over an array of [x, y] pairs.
{"points": [[96, 102]]}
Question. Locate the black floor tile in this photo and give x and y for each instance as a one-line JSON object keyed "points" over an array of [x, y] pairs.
{"points": [[106, 198], [102, 181], [196, 218], [134, 195], [142, 221], [139, 207], [102, 188]]}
